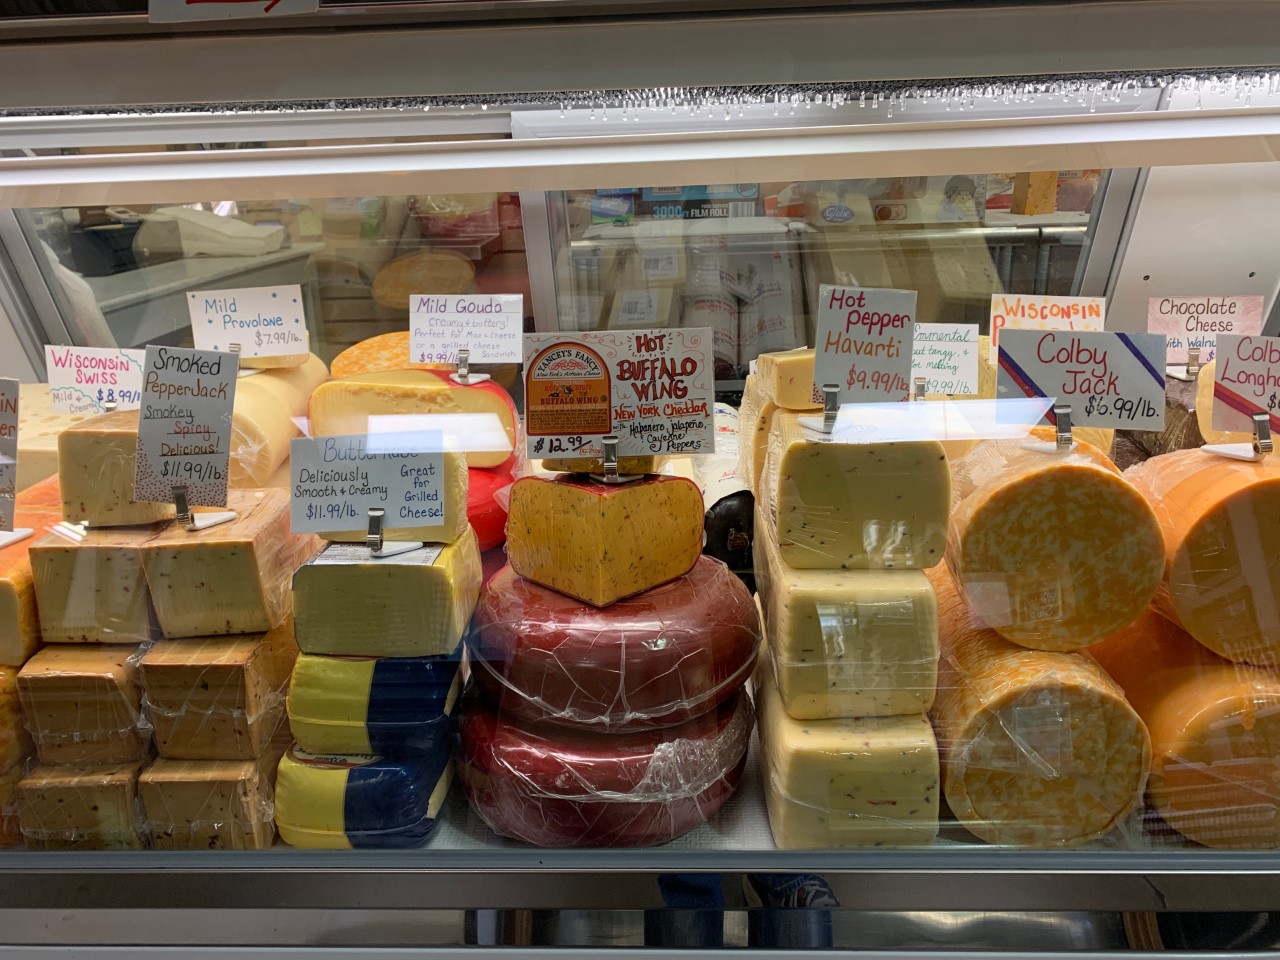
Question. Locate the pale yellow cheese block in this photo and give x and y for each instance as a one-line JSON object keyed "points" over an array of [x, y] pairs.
{"points": [[755, 417], [283, 361], [80, 808], [262, 421], [96, 466], [1204, 410], [787, 378], [38, 429], [847, 643]]}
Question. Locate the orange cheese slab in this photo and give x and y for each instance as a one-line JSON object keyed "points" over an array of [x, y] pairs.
{"points": [[387, 351], [37, 508]]}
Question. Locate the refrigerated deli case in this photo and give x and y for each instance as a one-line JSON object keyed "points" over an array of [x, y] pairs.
{"points": [[927, 694]]}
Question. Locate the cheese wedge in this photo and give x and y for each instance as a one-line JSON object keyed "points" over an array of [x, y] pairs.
{"points": [[80, 808], [1039, 748], [847, 643], [601, 542], [787, 379], [37, 508], [854, 506], [755, 417], [1215, 733], [1053, 551], [387, 351], [343, 407], [1221, 525], [209, 804], [1204, 410], [96, 465], [262, 420]]}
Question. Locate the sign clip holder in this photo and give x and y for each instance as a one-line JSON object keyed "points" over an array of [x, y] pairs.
{"points": [[464, 375], [375, 541], [918, 388], [191, 522], [1262, 444], [1063, 438], [611, 474]]}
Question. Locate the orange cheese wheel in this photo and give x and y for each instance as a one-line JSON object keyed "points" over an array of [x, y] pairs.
{"points": [[1052, 551], [1039, 748], [1215, 733], [1221, 523], [388, 351]]}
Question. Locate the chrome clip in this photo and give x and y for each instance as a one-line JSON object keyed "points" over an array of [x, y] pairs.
{"points": [[1193, 362], [373, 539], [109, 406], [610, 444], [1262, 444], [181, 505], [1062, 414], [464, 366], [235, 348], [830, 406], [918, 390]]}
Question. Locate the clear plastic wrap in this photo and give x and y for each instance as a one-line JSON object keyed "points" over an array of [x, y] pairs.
{"points": [[218, 698], [81, 808], [1054, 551], [96, 466], [1039, 748], [730, 504], [262, 421], [560, 787], [655, 659], [210, 804], [1221, 539], [15, 755], [755, 417], [38, 508], [456, 215]]}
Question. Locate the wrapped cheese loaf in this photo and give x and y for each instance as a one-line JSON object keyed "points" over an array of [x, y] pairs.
{"points": [[626, 465], [209, 804], [755, 417], [1221, 524], [1053, 551], [1215, 733], [38, 508], [81, 807], [1039, 748], [262, 421]]}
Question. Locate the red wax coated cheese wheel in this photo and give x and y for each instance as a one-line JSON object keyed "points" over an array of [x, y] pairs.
{"points": [[561, 787], [485, 512], [655, 659]]}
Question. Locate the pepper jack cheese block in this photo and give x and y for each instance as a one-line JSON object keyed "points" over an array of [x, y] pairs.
{"points": [[854, 506], [869, 781], [1221, 525], [80, 808], [387, 351], [1204, 409], [218, 698], [209, 804], [37, 508], [83, 704], [1215, 733], [90, 587], [602, 542], [416, 604], [262, 421], [343, 407], [1053, 551], [1039, 748], [755, 417], [96, 463], [787, 378], [231, 578], [847, 643], [440, 521]]}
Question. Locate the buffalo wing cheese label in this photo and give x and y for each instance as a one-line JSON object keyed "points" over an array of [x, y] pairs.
{"points": [[568, 389]]}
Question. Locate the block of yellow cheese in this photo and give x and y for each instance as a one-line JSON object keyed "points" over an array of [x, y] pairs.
{"points": [[1221, 524], [38, 429], [755, 417], [37, 508], [283, 361], [90, 587], [218, 698], [230, 578], [262, 420], [1039, 748], [841, 505], [416, 604], [1215, 733], [859, 782], [601, 542], [209, 804], [1053, 551], [83, 704], [847, 643], [787, 378], [1035, 193], [441, 520], [96, 460], [80, 808]]}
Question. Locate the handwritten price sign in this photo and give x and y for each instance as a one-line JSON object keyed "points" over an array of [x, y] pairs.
{"points": [[490, 326], [86, 379], [264, 321], [1246, 381], [1197, 321], [865, 342]]}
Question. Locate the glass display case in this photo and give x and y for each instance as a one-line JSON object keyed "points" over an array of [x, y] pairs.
{"points": [[877, 683]]}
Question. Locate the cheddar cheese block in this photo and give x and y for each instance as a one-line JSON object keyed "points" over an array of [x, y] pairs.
{"points": [[433, 270], [1053, 551], [262, 420], [387, 351], [38, 508], [38, 429], [218, 698], [415, 604], [80, 808], [83, 704], [840, 505], [90, 587], [1039, 748], [343, 407], [96, 462], [1204, 409], [847, 643], [209, 804], [1215, 733], [1221, 525], [755, 417], [601, 542], [787, 379], [230, 578], [857, 782]]}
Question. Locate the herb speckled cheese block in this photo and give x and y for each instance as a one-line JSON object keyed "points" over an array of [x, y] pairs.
{"points": [[262, 420], [602, 542], [1053, 551], [209, 804], [847, 643], [859, 782], [96, 465], [231, 578], [1221, 539], [1040, 748], [755, 416], [416, 604], [854, 506], [37, 508], [80, 807], [390, 706], [787, 378], [366, 802], [626, 465], [440, 520]]}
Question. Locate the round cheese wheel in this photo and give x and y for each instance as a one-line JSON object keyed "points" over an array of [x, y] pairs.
{"points": [[652, 660], [1053, 551], [1204, 410], [561, 787], [1221, 524], [1039, 748], [485, 511], [387, 351], [434, 270]]}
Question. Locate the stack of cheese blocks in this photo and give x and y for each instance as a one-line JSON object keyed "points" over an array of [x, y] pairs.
{"points": [[151, 626], [610, 657], [843, 534]]}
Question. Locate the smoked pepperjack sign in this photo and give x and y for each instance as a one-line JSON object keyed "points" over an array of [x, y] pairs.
{"points": [[654, 389]]}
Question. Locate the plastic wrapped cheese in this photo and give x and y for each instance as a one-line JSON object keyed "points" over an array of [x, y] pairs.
{"points": [[652, 660], [15, 743], [209, 804], [1053, 551], [1215, 733], [39, 509], [755, 417], [1221, 525], [433, 270], [560, 787], [1039, 748], [729, 502], [81, 807], [96, 466], [262, 423]]}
